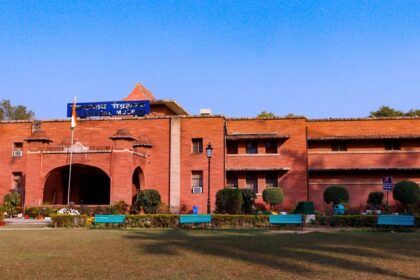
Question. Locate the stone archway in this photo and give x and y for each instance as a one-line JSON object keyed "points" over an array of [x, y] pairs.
{"points": [[89, 186], [137, 183]]}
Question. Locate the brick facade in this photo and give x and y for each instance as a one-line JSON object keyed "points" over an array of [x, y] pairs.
{"points": [[156, 152]]}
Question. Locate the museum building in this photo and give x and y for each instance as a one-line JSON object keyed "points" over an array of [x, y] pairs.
{"points": [[115, 156]]}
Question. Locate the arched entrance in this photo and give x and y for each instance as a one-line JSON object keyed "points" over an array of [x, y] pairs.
{"points": [[137, 183], [89, 185]]}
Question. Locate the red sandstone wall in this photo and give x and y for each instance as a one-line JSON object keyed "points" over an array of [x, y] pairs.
{"points": [[291, 155], [211, 129]]}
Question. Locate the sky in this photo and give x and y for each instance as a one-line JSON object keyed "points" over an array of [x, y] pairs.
{"points": [[321, 59]]}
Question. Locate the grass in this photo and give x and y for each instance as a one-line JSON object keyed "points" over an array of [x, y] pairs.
{"points": [[211, 254]]}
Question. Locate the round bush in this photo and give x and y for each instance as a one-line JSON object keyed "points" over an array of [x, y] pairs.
{"points": [[336, 195], [229, 201], [248, 200], [148, 200], [375, 198], [406, 192], [273, 196]]}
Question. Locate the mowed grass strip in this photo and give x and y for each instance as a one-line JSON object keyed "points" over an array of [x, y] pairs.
{"points": [[207, 254]]}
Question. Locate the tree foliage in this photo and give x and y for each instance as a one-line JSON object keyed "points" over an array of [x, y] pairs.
{"points": [[265, 114], [336, 195], [12, 202], [375, 198], [386, 111], [9, 112]]}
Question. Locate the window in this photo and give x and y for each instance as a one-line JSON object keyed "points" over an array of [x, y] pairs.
{"points": [[392, 145], [16, 181], [338, 146], [232, 180], [232, 147], [197, 145], [252, 182], [271, 147], [17, 149], [251, 147], [271, 180], [197, 181]]}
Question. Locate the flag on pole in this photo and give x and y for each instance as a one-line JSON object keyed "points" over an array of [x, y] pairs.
{"points": [[73, 114]]}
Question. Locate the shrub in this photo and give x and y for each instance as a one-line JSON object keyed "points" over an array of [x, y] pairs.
{"points": [[240, 221], [273, 196], [12, 203], [336, 195], [229, 201], [152, 221], [120, 207], [58, 220], [148, 200], [248, 200], [375, 198], [406, 192]]}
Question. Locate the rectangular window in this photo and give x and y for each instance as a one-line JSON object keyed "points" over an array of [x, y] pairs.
{"points": [[16, 181], [197, 145], [197, 181], [271, 147], [338, 146], [392, 145], [271, 180], [232, 180], [17, 149], [252, 182], [251, 147], [232, 147]]}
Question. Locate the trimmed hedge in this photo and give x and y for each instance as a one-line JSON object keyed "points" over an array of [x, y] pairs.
{"points": [[218, 221], [152, 221], [69, 221], [240, 221]]}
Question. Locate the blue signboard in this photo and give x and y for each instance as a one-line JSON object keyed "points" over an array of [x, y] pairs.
{"points": [[387, 182], [113, 108]]}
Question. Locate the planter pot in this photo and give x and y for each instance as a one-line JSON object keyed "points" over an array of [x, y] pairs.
{"points": [[2, 223]]}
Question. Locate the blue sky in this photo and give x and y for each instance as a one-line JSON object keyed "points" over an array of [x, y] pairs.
{"points": [[315, 58]]}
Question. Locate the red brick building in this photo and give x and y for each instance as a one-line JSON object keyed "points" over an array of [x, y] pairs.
{"points": [[165, 150]]}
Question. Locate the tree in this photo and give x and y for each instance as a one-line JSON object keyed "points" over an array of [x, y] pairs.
{"points": [[229, 201], [386, 111], [9, 112], [413, 113], [336, 195], [265, 114], [12, 202], [149, 200]]}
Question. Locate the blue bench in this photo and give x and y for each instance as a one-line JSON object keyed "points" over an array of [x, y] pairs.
{"points": [[195, 219], [290, 219], [396, 220], [109, 219]]}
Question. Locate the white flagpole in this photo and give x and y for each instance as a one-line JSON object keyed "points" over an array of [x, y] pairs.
{"points": [[70, 164], [73, 125]]}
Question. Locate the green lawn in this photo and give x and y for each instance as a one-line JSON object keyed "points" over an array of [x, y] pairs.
{"points": [[211, 254]]}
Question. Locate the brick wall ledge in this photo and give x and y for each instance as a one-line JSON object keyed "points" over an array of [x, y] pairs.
{"points": [[65, 152]]}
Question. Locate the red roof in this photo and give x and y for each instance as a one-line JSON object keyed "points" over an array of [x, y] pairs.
{"points": [[140, 92]]}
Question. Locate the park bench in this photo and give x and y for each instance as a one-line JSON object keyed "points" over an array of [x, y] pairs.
{"points": [[195, 219], [109, 219], [289, 219], [396, 220]]}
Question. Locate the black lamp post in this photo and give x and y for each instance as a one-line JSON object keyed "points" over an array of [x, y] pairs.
{"points": [[209, 151]]}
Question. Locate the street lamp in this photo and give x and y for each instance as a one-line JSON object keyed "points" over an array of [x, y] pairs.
{"points": [[209, 151]]}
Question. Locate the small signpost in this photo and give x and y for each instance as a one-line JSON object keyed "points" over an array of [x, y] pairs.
{"points": [[387, 183]]}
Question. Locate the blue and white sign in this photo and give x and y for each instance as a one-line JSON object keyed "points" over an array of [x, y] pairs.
{"points": [[387, 181], [113, 108]]}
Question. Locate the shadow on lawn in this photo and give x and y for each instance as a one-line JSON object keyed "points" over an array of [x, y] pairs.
{"points": [[285, 252]]}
